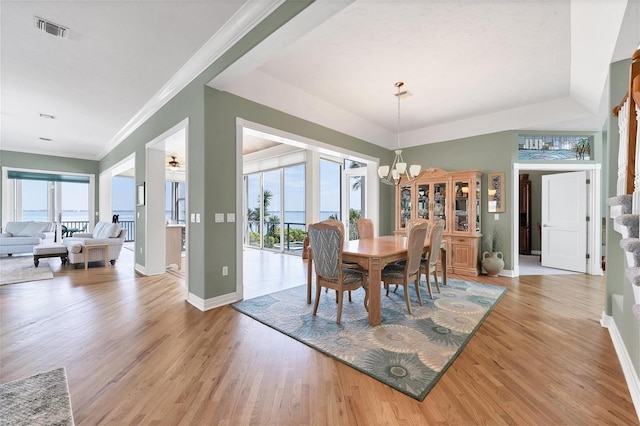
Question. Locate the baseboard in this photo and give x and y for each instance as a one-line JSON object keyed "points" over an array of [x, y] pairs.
{"points": [[536, 252], [507, 273], [630, 374], [140, 269], [214, 302]]}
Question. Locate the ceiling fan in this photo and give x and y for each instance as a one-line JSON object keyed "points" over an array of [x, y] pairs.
{"points": [[174, 163]]}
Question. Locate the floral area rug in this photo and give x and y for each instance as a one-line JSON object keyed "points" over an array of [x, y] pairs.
{"points": [[407, 352]]}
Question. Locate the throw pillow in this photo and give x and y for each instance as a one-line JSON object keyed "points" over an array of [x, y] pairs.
{"points": [[106, 231], [115, 231], [14, 228], [32, 229], [97, 231]]}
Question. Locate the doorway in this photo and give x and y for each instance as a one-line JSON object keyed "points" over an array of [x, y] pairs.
{"points": [[592, 201], [165, 204]]}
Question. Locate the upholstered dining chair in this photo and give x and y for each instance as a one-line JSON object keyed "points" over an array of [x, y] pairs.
{"points": [[365, 228], [409, 272], [351, 265], [430, 264], [327, 243]]}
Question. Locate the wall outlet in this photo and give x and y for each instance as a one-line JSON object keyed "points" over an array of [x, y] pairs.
{"points": [[225, 271], [140, 250], [218, 217], [231, 217]]}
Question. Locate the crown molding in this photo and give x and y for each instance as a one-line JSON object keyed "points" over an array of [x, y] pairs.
{"points": [[243, 21]]}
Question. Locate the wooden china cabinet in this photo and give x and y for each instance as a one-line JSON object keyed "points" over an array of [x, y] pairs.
{"points": [[454, 197]]}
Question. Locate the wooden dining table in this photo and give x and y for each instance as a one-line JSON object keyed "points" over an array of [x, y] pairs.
{"points": [[371, 254]]}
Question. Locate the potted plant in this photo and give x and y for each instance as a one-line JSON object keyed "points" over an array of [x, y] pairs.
{"points": [[492, 259]]}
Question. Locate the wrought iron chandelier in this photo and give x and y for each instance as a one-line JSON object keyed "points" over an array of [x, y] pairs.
{"points": [[399, 171]]}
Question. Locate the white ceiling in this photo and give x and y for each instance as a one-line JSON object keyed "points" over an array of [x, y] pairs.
{"points": [[473, 67]]}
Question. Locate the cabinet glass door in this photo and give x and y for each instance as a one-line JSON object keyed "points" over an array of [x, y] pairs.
{"points": [[423, 201], [405, 205], [440, 201], [462, 206]]}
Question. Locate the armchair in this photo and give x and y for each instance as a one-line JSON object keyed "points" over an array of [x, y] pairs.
{"points": [[110, 234]]}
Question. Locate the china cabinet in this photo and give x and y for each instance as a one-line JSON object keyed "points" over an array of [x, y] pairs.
{"points": [[454, 197]]}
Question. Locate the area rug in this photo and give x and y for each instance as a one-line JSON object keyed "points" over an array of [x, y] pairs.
{"points": [[21, 269], [407, 352], [42, 399]]}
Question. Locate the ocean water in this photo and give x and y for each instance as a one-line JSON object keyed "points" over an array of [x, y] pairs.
{"points": [[128, 215]]}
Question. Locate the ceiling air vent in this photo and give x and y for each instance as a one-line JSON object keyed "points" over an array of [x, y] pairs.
{"points": [[51, 28]]}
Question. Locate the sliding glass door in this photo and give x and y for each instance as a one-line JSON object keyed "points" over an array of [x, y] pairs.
{"points": [[275, 209]]}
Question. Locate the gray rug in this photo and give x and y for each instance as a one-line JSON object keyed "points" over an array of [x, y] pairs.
{"points": [[42, 399], [407, 352], [19, 269]]}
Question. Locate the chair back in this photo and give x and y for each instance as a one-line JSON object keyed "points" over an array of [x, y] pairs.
{"points": [[415, 247], [365, 228], [413, 222], [326, 241], [334, 222], [435, 241]]}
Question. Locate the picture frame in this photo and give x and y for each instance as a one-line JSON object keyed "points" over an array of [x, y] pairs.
{"points": [[496, 202], [140, 194]]}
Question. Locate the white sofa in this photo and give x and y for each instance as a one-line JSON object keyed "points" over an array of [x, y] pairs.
{"points": [[111, 234], [22, 237]]}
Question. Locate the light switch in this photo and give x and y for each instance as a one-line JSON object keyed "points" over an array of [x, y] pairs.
{"points": [[219, 217], [197, 217], [496, 217], [231, 217], [193, 217]]}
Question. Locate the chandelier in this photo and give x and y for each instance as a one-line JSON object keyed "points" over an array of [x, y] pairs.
{"points": [[398, 170]]}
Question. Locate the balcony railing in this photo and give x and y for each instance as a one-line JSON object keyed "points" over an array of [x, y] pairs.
{"points": [[293, 243], [73, 226]]}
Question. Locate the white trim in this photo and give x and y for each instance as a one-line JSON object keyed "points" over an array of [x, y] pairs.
{"points": [[594, 266], [214, 302], [630, 374], [243, 21]]}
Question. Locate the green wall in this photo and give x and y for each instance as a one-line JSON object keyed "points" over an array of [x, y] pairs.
{"points": [[222, 109], [490, 153], [617, 284], [49, 163]]}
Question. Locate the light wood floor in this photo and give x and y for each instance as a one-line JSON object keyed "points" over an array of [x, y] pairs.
{"points": [[136, 353]]}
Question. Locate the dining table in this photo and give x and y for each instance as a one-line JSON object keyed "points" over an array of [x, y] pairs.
{"points": [[372, 254]]}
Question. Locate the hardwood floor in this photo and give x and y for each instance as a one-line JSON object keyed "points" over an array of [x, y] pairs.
{"points": [[136, 353]]}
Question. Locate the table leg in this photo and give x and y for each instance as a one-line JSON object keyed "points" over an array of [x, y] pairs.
{"points": [[309, 272], [375, 308], [443, 261]]}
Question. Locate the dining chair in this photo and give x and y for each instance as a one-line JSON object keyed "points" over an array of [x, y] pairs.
{"points": [[430, 264], [365, 228], [327, 243], [409, 272], [351, 265]]}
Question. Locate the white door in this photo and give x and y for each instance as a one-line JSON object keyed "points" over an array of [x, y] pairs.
{"points": [[564, 221]]}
